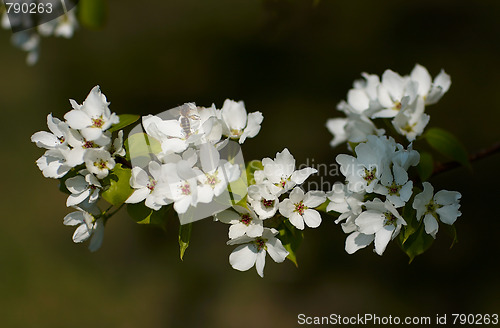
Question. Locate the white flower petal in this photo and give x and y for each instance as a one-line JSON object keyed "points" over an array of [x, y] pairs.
{"points": [[237, 230], [356, 240], [297, 220], [301, 175], [138, 196], [81, 234], [382, 238], [314, 198], [260, 262], [448, 214], [97, 236], [276, 250], [312, 218], [370, 221], [431, 225], [77, 119], [74, 218], [445, 197], [228, 216], [243, 257]]}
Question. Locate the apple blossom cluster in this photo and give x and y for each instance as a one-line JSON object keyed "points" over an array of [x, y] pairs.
{"points": [[380, 198], [192, 164], [81, 152], [400, 99], [377, 189], [275, 197], [29, 39], [189, 159]]}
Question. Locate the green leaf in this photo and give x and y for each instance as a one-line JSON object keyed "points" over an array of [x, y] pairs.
{"points": [[425, 166], [322, 207], [119, 186], [253, 166], [141, 145], [92, 13], [184, 237], [142, 214], [125, 120], [412, 224], [417, 243], [447, 144], [291, 238]]}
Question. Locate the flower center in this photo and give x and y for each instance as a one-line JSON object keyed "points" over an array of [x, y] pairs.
{"points": [[393, 189], [61, 139], [88, 144], [432, 207], [268, 203], [101, 164], [397, 106], [390, 219], [370, 175], [260, 243], [212, 179], [236, 133], [408, 128], [300, 208], [246, 219], [282, 183], [97, 122], [186, 189], [152, 184]]}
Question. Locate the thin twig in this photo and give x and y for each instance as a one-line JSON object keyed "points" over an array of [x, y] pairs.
{"points": [[443, 167]]}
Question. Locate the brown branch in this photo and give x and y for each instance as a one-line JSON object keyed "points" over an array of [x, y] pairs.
{"points": [[443, 167]]}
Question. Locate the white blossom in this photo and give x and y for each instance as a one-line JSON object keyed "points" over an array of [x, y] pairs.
{"points": [[243, 221], [396, 187], [262, 201], [149, 187], [252, 251], [444, 205], [88, 227], [381, 220], [281, 172], [394, 94], [93, 117], [58, 136], [371, 164], [299, 208], [98, 162], [237, 124], [84, 186], [430, 91]]}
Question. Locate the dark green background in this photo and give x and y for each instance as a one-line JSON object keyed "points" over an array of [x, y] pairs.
{"points": [[293, 62]]}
